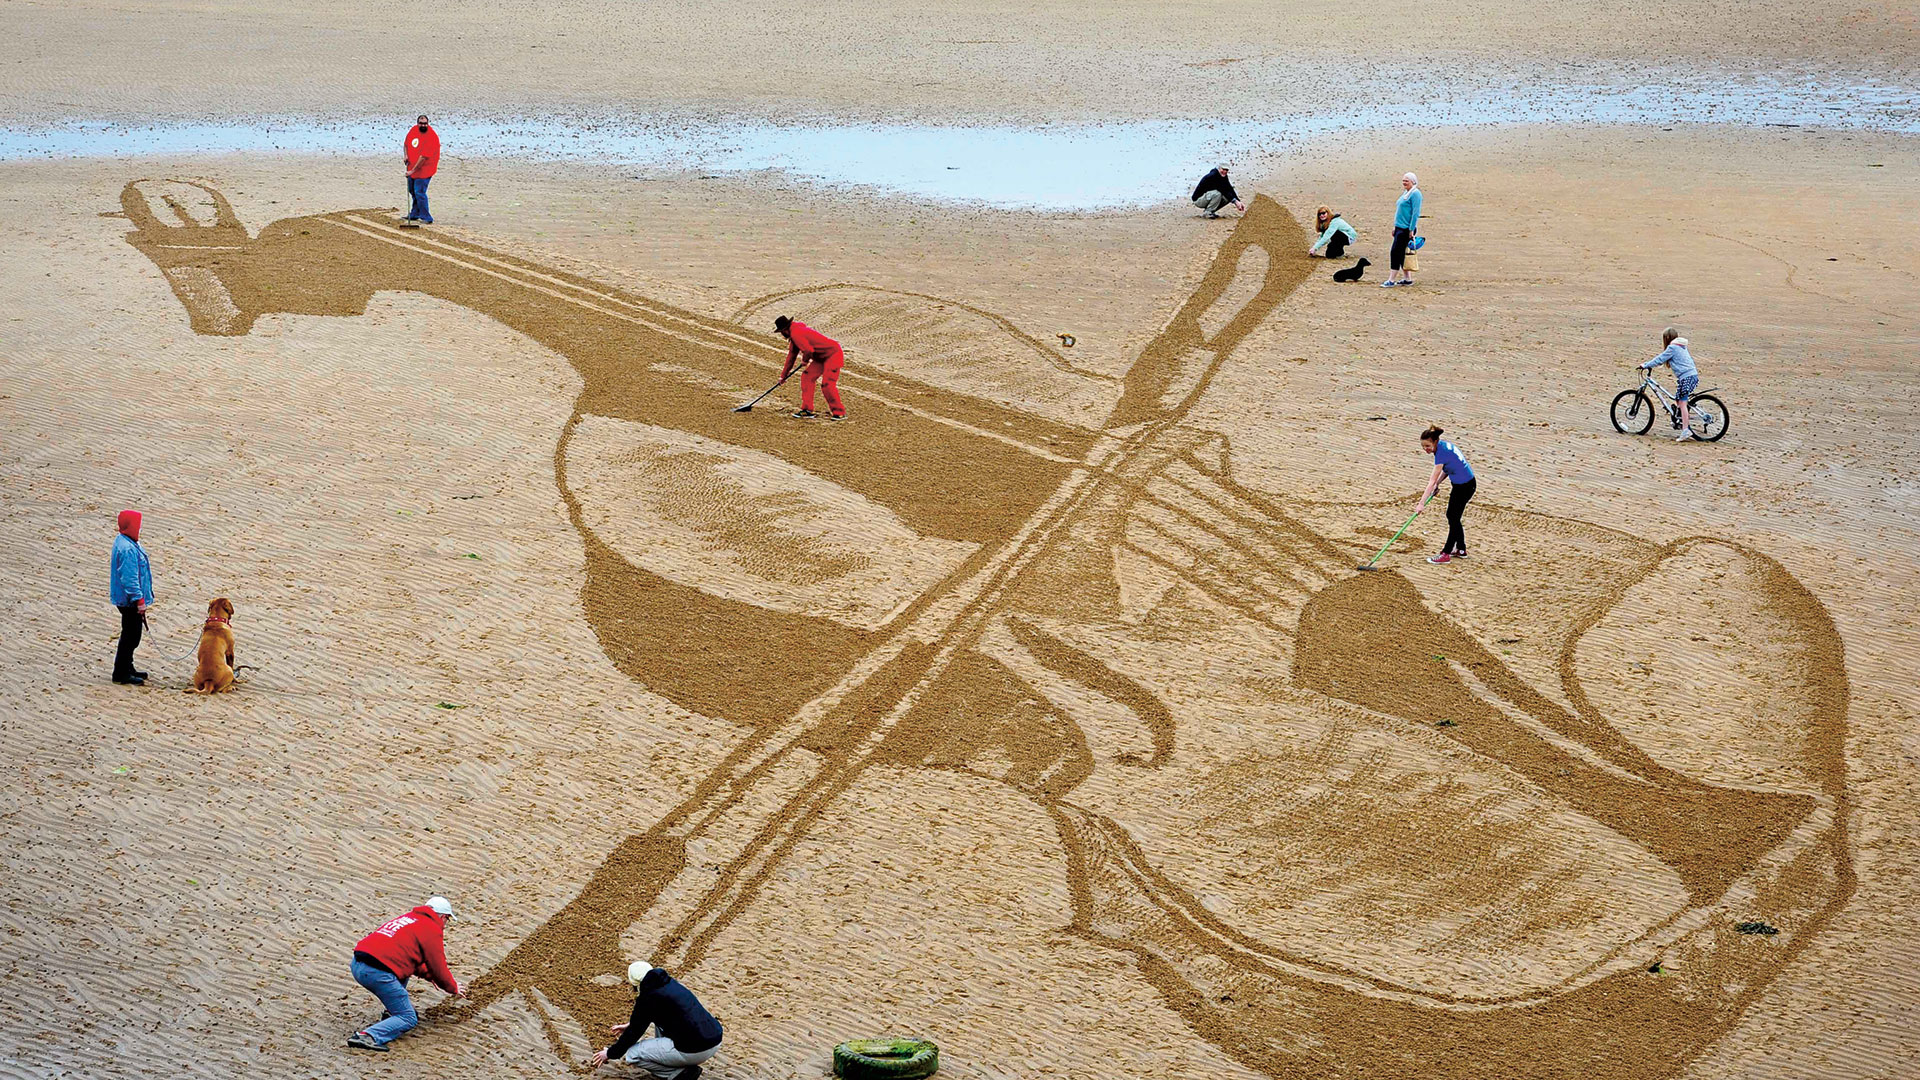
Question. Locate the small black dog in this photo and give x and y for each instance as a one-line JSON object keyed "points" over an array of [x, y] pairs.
{"points": [[1352, 273]]}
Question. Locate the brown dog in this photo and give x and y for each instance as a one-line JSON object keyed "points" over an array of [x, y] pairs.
{"points": [[214, 673]]}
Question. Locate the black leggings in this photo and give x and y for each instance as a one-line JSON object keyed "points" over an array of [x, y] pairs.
{"points": [[1337, 245], [130, 626], [1397, 255], [1457, 505]]}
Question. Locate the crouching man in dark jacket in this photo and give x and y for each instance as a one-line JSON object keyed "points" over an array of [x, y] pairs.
{"points": [[685, 1033], [1215, 191]]}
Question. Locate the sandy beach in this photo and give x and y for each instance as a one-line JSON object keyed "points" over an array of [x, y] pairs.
{"points": [[1037, 709]]}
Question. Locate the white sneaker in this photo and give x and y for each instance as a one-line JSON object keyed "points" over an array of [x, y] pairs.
{"points": [[1683, 436], [1388, 284]]}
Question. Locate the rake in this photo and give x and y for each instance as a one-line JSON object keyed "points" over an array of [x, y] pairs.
{"points": [[1368, 565], [748, 407]]}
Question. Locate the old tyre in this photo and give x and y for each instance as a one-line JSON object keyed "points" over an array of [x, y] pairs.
{"points": [[885, 1059]]}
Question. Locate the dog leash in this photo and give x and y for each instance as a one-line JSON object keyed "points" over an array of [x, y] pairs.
{"points": [[193, 648], [146, 627]]}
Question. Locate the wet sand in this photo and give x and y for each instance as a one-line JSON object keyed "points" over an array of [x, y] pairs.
{"points": [[1039, 62]]}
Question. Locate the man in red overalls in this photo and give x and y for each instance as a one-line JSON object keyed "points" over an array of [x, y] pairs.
{"points": [[823, 358], [422, 152]]}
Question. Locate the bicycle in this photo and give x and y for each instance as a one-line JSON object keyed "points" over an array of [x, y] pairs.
{"points": [[1632, 413]]}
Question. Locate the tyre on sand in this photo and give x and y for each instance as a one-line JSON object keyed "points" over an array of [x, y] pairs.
{"points": [[885, 1059]]}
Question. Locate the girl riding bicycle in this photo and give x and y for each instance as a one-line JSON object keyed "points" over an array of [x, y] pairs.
{"points": [[1684, 374]]}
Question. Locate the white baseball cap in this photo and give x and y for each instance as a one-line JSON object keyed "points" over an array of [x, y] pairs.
{"points": [[441, 905], [637, 970]]}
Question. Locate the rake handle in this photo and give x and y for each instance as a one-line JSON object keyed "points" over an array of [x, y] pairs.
{"points": [[1396, 536], [764, 393]]}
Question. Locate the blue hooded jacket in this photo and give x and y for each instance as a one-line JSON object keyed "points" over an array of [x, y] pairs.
{"points": [[1677, 355], [131, 576]]}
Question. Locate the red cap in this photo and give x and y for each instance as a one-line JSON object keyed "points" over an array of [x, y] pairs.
{"points": [[130, 523]]}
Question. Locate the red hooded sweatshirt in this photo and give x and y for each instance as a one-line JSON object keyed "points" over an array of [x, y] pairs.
{"points": [[409, 945], [804, 340], [423, 151]]}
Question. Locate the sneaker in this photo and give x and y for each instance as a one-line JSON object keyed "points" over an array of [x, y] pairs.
{"points": [[1459, 554], [1683, 436], [837, 416], [1443, 557], [1211, 215], [803, 414], [1388, 284], [360, 1040], [131, 680]]}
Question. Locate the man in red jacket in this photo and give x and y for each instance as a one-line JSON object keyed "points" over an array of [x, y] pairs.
{"points": [[823, 359], [422, 153], [397, 950]]}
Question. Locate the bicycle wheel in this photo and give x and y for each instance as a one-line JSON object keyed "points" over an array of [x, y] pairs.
{"points": [[1632, 413], [1706, 417]]}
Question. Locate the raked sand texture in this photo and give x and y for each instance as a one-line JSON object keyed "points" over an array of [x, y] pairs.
{"points": [[1036, 709]]}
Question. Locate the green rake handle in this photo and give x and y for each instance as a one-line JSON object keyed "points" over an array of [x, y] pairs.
{"points": [[1368, 565]]}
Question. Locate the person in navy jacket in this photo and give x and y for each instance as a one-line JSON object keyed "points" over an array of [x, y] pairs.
{"points": [[685, 1033], [1215, 191]]}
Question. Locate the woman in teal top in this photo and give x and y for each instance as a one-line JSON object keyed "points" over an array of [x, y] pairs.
{"points": [[1406, 222]]}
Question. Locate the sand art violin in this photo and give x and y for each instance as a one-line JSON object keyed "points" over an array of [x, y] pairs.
{"points": [[1329, 852]]}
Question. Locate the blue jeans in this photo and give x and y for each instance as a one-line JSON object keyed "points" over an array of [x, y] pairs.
{"points": [[393, 994], [417, 191]]}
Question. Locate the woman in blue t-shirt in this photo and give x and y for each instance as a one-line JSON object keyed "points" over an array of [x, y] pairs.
{"points": [[1447, 462]]}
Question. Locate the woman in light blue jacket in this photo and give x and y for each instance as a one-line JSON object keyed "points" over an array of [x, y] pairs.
{"points": [[1335, 234], [129, 588]]}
